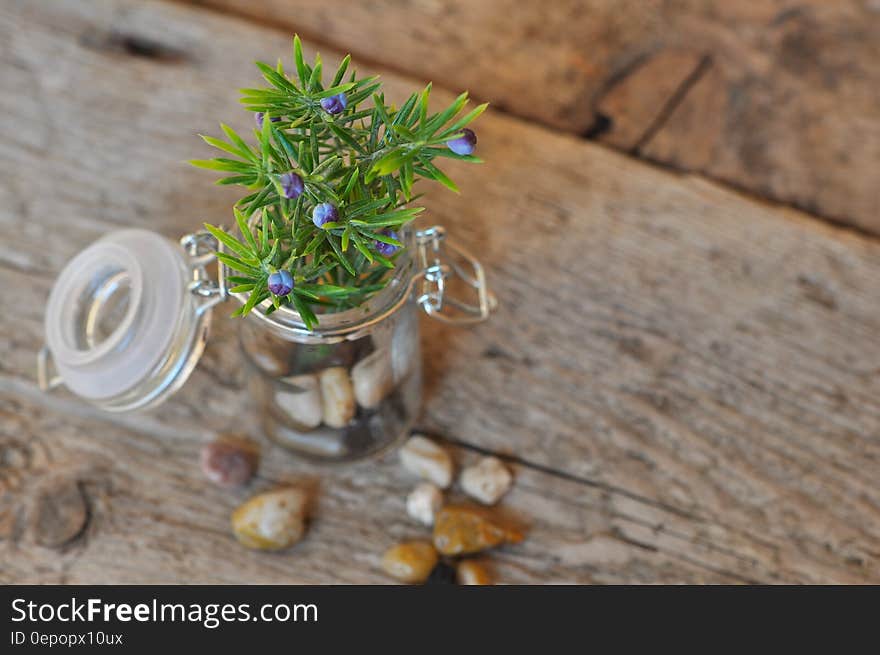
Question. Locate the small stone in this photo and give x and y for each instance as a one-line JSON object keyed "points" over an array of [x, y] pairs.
{"points": [[272, 520], [372, 379], [410, 561], [300, 398], [337, 396], [229, 462], [443, 573], [427, 460], [424, 502], [320, 443], [487, 481], [463, 530], [471, 572]]}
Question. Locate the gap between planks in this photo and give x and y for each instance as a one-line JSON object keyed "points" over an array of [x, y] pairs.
{"points": [[589, 134]]}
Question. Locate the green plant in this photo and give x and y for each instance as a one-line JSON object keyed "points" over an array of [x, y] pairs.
{"points": [[330, 184]]}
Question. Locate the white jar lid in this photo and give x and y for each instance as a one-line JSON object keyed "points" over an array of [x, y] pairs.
{"points": [[115, 311]]}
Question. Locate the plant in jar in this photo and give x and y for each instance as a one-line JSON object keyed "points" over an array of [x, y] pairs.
{"points": [[330, 178], [331, 175]]}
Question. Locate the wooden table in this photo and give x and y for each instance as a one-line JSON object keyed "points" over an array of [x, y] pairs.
{"points": [[685, 378]]}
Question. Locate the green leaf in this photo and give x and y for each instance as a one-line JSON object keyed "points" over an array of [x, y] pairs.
{"points": [[315, 77], [255, 298], [344, 136], [464, 120], [352, 181], [233, 137], [246, 231], [237, 264], [389, 162], [278, 81], [438, 120], [378, 236], [423, 104], [222, 164], [340, 72], [305, 312], [362, 248], [340, 255], [226, 147], [436, 174], [334, 90], [231, 242], [301, 68]]}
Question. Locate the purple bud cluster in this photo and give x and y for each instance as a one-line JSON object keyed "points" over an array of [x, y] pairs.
{"points": [[280, 283], [463, 145], [334, 104], [259, 118], [324, 213], [291, 185], [387, 249]]}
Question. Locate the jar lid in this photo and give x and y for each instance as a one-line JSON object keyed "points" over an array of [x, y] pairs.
{"points": [[122, 327]]}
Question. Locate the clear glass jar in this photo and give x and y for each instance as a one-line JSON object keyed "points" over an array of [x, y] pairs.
{"points": [[128, 318], [349, 388]]}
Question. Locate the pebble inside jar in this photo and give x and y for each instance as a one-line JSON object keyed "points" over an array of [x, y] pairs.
{"points": [[340, 396]]}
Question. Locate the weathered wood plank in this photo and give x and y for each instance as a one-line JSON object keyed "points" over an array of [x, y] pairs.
{"points": [[786, 103], [151, 520], [698, 363]]}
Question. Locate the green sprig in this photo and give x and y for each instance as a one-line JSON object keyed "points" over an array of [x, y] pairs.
{"points": [[364, 160]]}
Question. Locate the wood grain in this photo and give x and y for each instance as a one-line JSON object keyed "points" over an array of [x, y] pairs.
{"points": [[686, 380], [777, 97]]}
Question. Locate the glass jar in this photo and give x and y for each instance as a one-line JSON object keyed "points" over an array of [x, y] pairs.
{"points": [[128, 318]]}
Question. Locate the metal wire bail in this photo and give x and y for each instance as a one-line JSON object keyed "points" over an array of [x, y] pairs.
{"points": [[200, 247], [437, 269]]}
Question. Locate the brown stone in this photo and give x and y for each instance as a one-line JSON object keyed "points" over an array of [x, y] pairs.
{"points": [[271, 521], [229, 461], [471, 572], [410, 561], [462, 530]]}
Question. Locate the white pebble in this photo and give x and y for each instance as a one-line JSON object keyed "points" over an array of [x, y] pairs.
{"points": [[337, 396], [372, 379], [487, 481], [300, 398], [424, 502], [427, 460]]}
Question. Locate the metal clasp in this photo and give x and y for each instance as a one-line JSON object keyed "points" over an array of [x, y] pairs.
{"points": [[201, 248], [438, 269]]}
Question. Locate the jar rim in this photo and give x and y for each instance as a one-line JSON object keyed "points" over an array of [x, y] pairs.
{"points": [[287, 322]]}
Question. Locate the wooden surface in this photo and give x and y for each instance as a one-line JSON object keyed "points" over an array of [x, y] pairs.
{"points": [[685, 380], [777, 97]]}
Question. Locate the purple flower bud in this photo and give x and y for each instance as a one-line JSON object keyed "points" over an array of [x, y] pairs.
{"points": [[386, 249], [463, 145], [291, 185], [280, 283], [334, 104], [324, 213], [259, 118]]}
